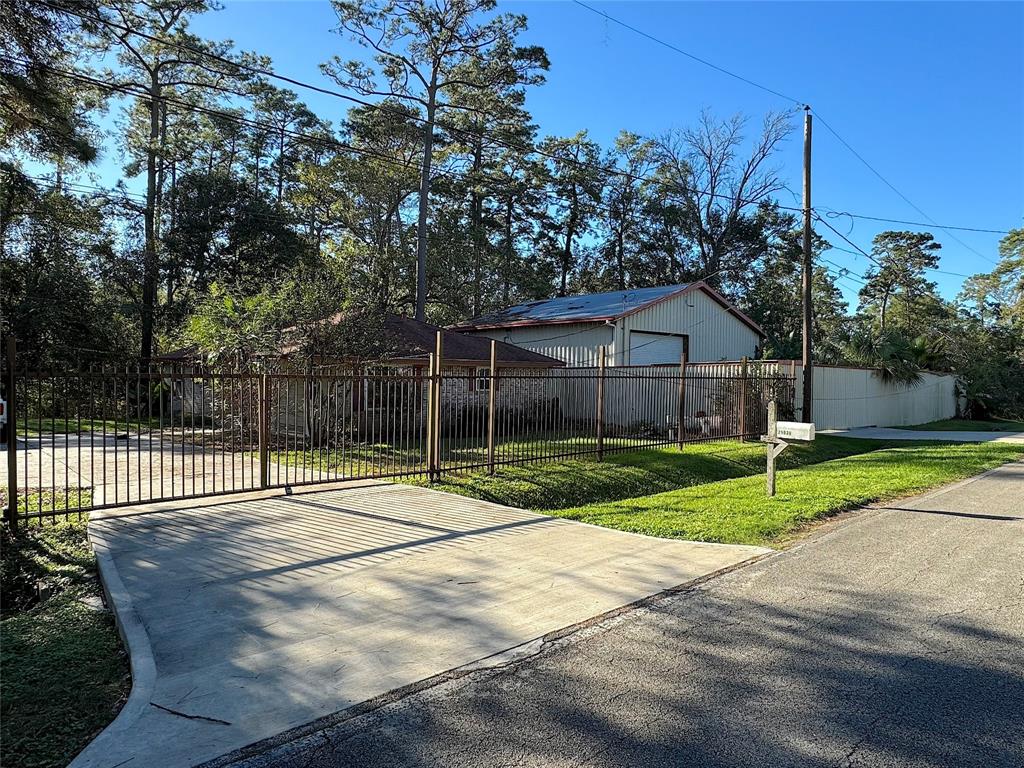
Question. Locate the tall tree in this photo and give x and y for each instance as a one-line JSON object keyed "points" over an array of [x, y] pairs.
{"points": [[372, 207], [423, 49], [52, 301], [901, 259], [492, 128], [577, 180], [770, 293], [1010, 274], [169, 70], [627, 194], [715, 187], [42, 110]]}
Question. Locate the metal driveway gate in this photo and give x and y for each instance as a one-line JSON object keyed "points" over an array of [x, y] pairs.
{"points": [[111, 436]]}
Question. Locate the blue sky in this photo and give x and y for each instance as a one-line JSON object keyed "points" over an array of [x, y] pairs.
{"points": [[930, 93]]}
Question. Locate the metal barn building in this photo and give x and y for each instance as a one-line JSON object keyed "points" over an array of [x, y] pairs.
{"points": [[641, 326]]}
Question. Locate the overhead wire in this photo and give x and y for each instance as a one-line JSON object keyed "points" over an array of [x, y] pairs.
{"points": [[605, 170], [821, 119], [687, 54], [326, 140], [266, 72], [905, 199]]}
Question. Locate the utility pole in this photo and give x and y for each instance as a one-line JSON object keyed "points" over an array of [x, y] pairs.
{"points": [[808, 267]]}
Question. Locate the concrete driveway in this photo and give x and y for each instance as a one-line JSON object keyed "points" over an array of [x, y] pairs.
{"points": [[894, 638], [946, 436], [142, 467], [249, 617]]}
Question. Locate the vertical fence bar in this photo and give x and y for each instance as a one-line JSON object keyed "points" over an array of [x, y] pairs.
{"points": [[11, 512], [600, 403], [439, 385], [492, 383], [743, 398], [263, 430], [430, 415], [682, 400]]}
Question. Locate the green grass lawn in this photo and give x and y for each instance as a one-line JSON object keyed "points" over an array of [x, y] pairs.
{"points": [[737, 511], [970, 425], [58, 426], [362, 458], [574, 482], [64, 673]]}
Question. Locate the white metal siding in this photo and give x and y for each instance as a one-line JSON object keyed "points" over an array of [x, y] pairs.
{"points": [[576, 344], [858, 397], [715, 334]]}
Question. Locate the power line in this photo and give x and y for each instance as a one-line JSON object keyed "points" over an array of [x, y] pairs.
{"points": [[843, 271], [389, 159], [326, 140], [605, 170], [293, 134], [891, 186], [817, 114], [861, 252], [138, 91], [687, 54], [944, 227]]}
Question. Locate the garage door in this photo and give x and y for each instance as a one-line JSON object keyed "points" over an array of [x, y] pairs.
{"points": [[654, 348]]}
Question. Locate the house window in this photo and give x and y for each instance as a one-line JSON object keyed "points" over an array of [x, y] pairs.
{"points": [[483, 379]]}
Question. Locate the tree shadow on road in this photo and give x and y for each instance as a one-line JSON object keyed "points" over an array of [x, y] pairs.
{"points": [[701, 680]]}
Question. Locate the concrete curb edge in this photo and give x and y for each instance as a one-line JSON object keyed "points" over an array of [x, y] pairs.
{"points": [[265, 752], [140, 655]]}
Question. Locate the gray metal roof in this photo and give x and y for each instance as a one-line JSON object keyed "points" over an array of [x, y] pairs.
{"points": [[567, 309]]}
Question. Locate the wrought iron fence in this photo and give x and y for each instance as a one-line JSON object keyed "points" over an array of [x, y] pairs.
{"points": [[106, 437]]}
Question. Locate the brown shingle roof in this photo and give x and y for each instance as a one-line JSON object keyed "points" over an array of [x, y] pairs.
{"points": [[410, 341], [413, 340]]}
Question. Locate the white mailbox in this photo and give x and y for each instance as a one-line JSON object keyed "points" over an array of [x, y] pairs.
{"points": [[794, 430]]}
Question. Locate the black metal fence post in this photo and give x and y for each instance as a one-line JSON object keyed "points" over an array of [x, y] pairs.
{"points": [[682, 400], [743, 399], [492, 385], [263, 416], [11, 511], [600, 403]]}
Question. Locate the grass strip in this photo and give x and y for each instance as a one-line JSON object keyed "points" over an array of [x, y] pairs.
{"points": [[64, 672], [576, 482], [737, 511], [969, 425]]}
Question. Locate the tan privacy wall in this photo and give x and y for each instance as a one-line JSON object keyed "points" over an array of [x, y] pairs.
{"points": [[859, 397]]}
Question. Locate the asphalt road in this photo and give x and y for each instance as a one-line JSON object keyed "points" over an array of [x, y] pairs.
{"points": [[893, 637]]}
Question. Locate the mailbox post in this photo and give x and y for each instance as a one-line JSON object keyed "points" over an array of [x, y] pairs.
{"points": [[778, 433]]}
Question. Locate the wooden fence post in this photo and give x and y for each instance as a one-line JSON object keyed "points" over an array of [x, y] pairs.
{"points": [[743, 399], [430, 416], [600, 403], [682, 399], [263, 417], [492, 383], [11, 511], [773, 432]]}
